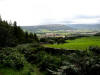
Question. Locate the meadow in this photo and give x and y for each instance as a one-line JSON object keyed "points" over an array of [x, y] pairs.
{"points": [[78, 44]]}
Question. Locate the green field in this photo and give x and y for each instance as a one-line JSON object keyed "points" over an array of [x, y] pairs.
{"points": [[78, 44]]}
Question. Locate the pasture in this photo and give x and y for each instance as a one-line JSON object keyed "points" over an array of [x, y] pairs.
{"points": [[78, 44]]}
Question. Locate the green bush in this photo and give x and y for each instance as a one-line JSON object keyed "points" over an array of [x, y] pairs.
{"points": [[94, 49], [80, 64], [46, 61], [9, 57]]}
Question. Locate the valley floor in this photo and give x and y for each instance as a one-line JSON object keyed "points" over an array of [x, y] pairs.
{"points": [[78, 44]]}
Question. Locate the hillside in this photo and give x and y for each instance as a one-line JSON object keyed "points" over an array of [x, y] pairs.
{"points": [[47, 28], [86, 26]]}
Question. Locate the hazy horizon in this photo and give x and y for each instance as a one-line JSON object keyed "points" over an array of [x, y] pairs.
{"points": [[42, 12]]}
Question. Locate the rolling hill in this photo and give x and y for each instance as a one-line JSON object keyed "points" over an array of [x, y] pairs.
{"points": [[47, 28], [85, 26]]}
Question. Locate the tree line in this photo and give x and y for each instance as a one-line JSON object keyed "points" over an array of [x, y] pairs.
{"points": [[11, 34]]}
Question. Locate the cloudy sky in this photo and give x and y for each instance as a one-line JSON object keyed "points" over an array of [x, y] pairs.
{"points": [[35, 12]]}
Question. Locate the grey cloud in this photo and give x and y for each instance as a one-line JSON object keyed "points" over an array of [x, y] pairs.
{"points": [[67, 21], [71, 20], [54, 21], [48, 21], [87, 17]]}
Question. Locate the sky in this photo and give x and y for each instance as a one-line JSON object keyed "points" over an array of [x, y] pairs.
{"points": [[41, 12]]}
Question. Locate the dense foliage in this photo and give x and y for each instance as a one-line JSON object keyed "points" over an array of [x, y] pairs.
{"points": [[78, 63], [11, 34], [10, 57], [52, 40], [73, 63], [15, 54]]}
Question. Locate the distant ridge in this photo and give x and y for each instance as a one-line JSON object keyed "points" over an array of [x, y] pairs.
{"points": [[86, 26], [49, 27]]}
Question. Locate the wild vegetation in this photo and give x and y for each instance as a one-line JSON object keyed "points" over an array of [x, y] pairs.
{"points": [[23, 53], [52, 40], [11, 34]]}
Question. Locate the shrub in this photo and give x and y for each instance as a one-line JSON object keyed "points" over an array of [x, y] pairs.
{"points": [[97, 34], [94, 49], [46, 61], [9, 57]]}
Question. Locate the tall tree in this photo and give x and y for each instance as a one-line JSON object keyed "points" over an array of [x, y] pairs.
{"points": [[36, 38], [31, 35], [0, 19], [6, 38]]}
